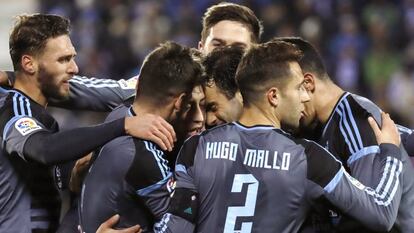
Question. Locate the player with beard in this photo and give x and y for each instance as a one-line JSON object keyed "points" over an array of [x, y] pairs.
{"points": [[135, 171], [250, 176], [43, 59], [336, 119]]}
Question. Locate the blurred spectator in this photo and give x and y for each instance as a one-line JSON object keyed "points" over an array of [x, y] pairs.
{"points": [[359, 40]]}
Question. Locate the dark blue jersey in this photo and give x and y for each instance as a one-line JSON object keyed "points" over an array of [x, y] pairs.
{"points": [[129, 177], [259, 179], [29, 199], [349, 137]]}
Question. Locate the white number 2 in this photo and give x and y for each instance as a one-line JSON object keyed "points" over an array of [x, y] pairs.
{"points": [[242, 211]]}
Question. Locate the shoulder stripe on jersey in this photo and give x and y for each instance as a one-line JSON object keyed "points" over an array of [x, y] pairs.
{"points": [[348, 128], [95, 85], [354, 125], [363, 152], [21, 105], [161, 162], [92, 80], [161, 226], [147, 190], [336, 108]]}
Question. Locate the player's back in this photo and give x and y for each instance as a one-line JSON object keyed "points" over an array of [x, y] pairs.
{"points": [[105, 191], [250, 178]]}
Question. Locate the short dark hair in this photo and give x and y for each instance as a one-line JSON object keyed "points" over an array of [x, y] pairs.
{"points": [[167, 71], [232, 12], [220, 66], [311, 60], [31, 32], [264, 65]]}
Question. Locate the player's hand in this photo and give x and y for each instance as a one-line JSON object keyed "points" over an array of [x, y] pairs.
{"points": [[388, 132], [78, 173], [153, 128], [105, 227]]}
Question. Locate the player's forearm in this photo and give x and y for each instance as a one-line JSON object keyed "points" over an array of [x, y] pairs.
{"points": [[376, 207], [52, 148]]}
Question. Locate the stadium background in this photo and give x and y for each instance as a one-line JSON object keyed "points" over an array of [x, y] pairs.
{"points": [[367, 45]]}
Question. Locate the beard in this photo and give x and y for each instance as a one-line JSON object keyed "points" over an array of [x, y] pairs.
{"points": [[49, 87]]}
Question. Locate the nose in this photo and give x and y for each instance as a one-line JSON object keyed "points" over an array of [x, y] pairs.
{"points": [[199, 115], [73, 67]]}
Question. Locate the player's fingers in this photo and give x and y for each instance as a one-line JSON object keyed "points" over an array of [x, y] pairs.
{"points": [[374, 126], [170, 129], [167, 133], [164, 139], [155, 139], [133, 229]]}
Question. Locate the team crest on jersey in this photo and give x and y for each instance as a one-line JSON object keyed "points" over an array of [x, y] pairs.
{"points": [[26, 125], [128, 84]]}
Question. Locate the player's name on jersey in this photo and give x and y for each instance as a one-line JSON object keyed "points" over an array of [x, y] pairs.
{"points": [[252, 157]]}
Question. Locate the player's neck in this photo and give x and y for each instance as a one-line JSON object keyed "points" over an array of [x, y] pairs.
{"points": [[329, 94], [29, 86], [253, 115]]}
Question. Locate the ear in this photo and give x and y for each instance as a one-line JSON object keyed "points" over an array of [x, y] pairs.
{"points": [[272, 96], [239, 97], [179, 101], [309, 82], [29, 64], [200, 45]]}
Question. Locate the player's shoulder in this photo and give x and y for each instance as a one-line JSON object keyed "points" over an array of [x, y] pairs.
{"points": [[360, 107]]}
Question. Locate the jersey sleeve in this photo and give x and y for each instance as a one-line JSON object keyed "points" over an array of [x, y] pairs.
{"points": [[374, 207], [97, 94], [150, 177], [16, 132], [183, 210], [357, 145]]}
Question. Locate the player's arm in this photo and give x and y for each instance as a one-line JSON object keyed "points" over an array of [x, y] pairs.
{"points": [[89, 93], [97, 94], [183, 211], [375, 207], [359, 147], [29, 138], [150, 177]]}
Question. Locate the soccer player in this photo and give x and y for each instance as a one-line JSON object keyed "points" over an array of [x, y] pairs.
{"points": [[337, 120], [43, 59], [135, 173], [251, 176], [223, 98]]}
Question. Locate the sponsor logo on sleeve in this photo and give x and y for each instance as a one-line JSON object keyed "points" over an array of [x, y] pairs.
{"points": [[355, 182], [26, 125], [128, 84]]}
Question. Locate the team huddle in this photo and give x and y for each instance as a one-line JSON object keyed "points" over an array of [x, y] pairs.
{"points": [[238, 135]]}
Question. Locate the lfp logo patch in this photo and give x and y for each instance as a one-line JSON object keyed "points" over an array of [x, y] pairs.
{"points": [[26, 125]]}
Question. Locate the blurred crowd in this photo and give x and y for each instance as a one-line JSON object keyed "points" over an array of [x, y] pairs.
{"points": [[368, 45]]}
